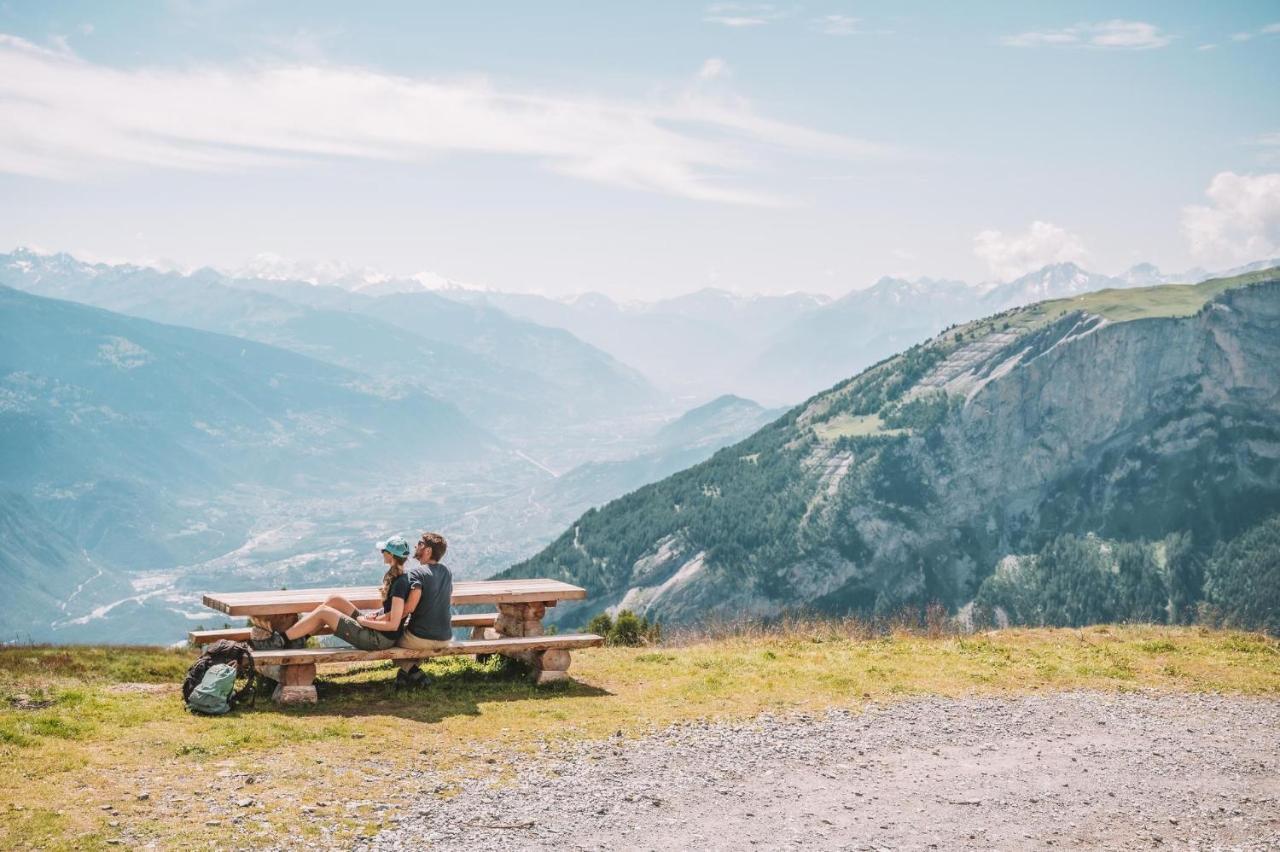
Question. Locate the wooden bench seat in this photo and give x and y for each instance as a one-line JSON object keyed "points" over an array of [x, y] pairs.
{"points": [[295, 670], [242, 634]]}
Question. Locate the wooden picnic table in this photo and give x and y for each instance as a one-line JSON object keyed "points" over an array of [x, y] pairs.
{"points": [[294, 602], [521, 604]]}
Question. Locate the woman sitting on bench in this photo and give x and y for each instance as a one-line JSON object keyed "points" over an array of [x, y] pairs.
{"points": [[376, 631]]}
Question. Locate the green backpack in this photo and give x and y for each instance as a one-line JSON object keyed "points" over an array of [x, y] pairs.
{"points": [[212, 696], [210, 685]]}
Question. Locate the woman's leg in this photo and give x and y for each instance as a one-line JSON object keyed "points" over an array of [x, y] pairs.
{"points": [[321, 616], [314, 620], [341, 604]]}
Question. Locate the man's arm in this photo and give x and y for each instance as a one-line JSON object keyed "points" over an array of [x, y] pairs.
{"points": [[411, 602]]}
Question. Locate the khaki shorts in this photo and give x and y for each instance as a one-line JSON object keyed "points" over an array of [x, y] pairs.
{"points": [[357, 635], [417, 643]]}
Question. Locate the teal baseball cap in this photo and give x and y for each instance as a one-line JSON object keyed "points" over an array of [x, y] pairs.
{"points": [[396, 546]]}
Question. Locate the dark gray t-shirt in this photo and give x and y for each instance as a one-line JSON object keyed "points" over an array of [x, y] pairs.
{"points": [[432, 618]]}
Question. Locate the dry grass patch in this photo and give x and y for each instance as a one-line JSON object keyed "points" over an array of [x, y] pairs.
{"points": [[84, 731]]}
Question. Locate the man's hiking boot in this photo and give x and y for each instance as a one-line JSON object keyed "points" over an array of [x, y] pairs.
{"points": [[411, 678]]}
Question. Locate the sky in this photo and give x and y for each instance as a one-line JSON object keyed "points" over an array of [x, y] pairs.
{"points": [[644, 149]]}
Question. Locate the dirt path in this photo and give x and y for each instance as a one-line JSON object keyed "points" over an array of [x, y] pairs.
{"points": [[1068, 771]]}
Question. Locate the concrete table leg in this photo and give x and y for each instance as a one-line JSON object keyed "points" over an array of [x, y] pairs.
{"points": [[295, 684]]}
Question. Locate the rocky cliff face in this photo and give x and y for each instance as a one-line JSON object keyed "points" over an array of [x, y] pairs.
{"points": [[1131, 414]]}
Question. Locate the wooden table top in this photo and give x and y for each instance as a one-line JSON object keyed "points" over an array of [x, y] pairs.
{"points": [[367, 597]]}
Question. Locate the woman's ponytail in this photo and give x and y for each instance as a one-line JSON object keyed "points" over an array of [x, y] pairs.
{"points": [[395, 570]]}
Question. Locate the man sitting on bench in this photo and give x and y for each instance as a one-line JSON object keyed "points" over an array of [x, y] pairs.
{"points": [[429, 602]]}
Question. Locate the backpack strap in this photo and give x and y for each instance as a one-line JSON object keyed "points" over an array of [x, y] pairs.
{"points": [[245, 666], [236, 697], [195, 674]]}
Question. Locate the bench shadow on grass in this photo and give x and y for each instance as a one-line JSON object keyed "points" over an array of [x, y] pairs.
{"points": [[456, 686]]}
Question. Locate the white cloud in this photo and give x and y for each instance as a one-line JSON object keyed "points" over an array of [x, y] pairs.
{"points": [[1128, 34], [713, 68], [1204, 47], [838, 25], [1115, 34], [740, 15], [1037, 39], [1011, 255], [1250, 35], [67, 118], [1240, 224]]}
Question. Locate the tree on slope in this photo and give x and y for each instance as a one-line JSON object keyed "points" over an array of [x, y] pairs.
{"points": [[1242, 580]]}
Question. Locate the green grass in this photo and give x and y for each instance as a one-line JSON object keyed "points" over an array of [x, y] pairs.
{"points": [[84, 728], [1125, 305], [853, 426], [1175, 300]]}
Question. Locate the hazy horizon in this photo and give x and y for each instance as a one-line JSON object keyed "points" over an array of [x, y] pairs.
{"points": [[332, 272]]}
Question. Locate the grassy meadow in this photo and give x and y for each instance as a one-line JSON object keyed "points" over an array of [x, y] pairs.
{"points": [[96, 750], [1181, 300]]}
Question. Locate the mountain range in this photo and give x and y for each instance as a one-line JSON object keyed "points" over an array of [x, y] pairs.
{"points": [[166, 433], [509, 374], [781, 349], [694, 346], [1137, 415], [518, 361]]}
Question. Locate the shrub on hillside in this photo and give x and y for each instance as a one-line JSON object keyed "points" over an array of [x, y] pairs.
{"points": [[600, 625], [627, 630]]}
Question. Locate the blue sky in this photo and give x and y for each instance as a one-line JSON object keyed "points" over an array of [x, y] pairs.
{"points": [[645, 149]]}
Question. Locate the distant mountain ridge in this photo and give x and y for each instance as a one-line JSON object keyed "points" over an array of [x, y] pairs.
{"points": [[692, 345], [783, 348], [490, 351], [507, 372], [1134, 414]]}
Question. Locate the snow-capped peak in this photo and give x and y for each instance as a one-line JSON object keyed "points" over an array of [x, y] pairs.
{"points": [[333, 273]]}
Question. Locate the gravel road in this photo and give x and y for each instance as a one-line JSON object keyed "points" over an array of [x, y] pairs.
{"points": [[1065, 771]]}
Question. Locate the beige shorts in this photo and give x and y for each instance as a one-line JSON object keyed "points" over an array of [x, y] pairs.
{"points": [[417, 643]]}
